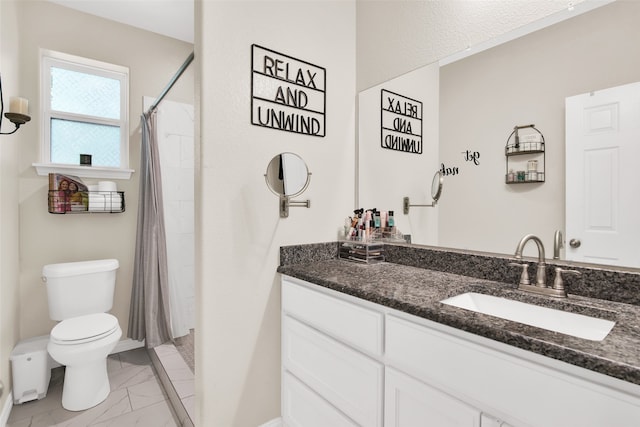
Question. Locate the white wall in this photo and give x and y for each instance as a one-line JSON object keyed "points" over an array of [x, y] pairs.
{"points": [[47, 238], [237, 221], [9, 240], [386, 176]]}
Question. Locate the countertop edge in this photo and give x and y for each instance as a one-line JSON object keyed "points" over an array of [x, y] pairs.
{"points": [[474, 323]]}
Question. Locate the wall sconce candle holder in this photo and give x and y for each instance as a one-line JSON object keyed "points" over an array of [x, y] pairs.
{"points": [[19, 117]]}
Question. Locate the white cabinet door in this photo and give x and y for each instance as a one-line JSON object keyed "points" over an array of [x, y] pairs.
{"points": [[301, 407], [411, 403], [346, 378]]}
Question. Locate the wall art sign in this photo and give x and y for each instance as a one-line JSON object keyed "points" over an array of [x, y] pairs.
{"points": [[401, 122], [287, 93]]}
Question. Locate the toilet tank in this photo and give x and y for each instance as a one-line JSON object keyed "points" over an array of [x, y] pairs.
{"points": [[79, 288]]}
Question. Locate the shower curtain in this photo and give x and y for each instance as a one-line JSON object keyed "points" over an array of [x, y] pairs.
{"points": [[149, 315]]}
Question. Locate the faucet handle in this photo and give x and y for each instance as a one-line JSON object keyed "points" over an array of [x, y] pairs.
{"points": [[524, 277], [558, 283]]}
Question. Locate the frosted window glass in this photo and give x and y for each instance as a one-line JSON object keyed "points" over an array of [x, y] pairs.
{"points": [[88, 94], [69, 139]]}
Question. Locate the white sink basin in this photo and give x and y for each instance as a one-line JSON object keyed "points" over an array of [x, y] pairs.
{"points": [[577, 325]]}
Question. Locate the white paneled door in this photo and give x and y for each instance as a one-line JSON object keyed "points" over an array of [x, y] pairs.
{"points": [[602, 184]]}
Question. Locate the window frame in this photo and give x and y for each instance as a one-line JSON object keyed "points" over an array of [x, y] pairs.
{"points": [[49, 59]]}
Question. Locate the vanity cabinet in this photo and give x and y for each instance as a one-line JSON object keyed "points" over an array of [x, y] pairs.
{"points": [[347, 361]]}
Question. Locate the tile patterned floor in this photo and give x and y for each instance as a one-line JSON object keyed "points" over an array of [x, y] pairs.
{"points": [[136, 399]]}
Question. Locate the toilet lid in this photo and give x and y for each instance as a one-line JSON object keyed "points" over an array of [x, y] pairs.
{"points": [[90, 327]]}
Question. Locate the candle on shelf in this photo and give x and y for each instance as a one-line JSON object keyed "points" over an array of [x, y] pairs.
{"points": [[19, 105]]}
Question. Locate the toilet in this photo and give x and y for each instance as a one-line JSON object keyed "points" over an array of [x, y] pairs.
{"points": [[80, 294]]}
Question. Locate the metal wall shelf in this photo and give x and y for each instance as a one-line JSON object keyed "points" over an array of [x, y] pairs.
{"points": [[86, 202], [534, 150]]}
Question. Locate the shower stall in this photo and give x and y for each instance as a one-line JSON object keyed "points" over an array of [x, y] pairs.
{"points": [[175, 135], [176, 363]]}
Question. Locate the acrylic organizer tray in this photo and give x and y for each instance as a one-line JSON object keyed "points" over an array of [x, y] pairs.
{"points": [[64, 202], [362, 251]]}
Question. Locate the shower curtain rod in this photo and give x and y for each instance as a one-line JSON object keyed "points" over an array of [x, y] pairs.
{"points": [[171, 83]]}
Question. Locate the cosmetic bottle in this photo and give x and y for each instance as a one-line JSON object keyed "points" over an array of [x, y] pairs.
{"points": [[391, 220], [376, 219], [511, 177]]}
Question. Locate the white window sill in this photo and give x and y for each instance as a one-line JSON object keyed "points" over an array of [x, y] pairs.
{"points": [[44, 169]]}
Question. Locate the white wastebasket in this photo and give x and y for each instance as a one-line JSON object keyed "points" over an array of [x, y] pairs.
{"points": [[31, 368]]}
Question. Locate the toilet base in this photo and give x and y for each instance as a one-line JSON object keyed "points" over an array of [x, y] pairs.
{"points": [[85, 386]]}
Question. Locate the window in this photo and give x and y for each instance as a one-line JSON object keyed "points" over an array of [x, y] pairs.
{"points": [[84, 111]]}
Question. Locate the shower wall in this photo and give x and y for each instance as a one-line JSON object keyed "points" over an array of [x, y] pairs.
{"points": [[176, 142]]}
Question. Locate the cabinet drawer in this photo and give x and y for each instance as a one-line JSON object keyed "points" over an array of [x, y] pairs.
{"points": [[351, 323], [346, 378], [301, 407], [410, 403]]}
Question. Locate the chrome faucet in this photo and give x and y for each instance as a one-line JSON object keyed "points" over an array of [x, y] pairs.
{"points": [[541, 274], [558, 289]]}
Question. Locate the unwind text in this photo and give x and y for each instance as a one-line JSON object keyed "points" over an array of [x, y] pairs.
{"points": [[287, 93], [401, 123]]}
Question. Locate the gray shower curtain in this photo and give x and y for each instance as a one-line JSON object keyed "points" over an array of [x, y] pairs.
{"points": [[149, 312]]}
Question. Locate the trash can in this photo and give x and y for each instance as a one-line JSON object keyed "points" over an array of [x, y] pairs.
{"points": [[31, 369]]}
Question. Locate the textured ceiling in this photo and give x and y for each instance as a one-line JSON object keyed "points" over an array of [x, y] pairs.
{"points": [[397, 36], [172, 18]]}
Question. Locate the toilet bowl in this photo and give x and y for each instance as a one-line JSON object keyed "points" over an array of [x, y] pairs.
{"points": [[82, 344], [79, 295]]}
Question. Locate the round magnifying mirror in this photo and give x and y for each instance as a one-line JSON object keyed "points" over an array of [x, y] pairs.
{"points": [[436, 186], [287, 175]]}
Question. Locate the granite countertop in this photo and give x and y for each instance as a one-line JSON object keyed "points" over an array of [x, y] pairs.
{"points": [[418, 291]]}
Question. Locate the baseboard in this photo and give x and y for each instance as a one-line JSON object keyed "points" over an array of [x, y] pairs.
{"points": [[6, 409], [276, 422]]}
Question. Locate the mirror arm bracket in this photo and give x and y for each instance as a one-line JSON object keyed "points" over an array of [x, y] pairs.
{"points": [[286, 203], [406, 205]]}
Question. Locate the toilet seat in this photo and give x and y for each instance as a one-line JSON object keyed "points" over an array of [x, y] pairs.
{"points": [[83, 329]]}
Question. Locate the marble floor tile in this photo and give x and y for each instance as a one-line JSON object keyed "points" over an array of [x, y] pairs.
{"points": [[51, 402], [165, 350], [117, 403], [130, 376], [136, 357], [113, 363], [136, 399], [157, 415], [179, 373], [146, 393]]}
